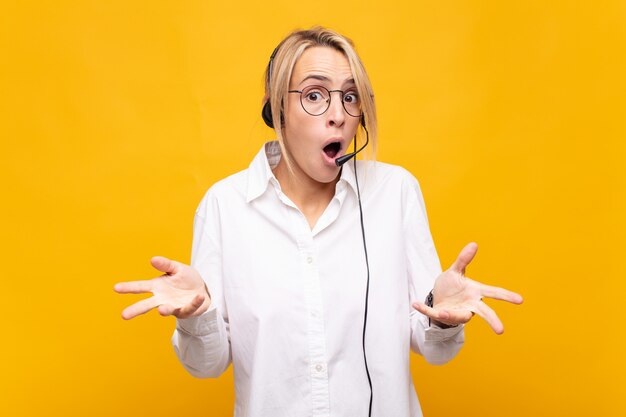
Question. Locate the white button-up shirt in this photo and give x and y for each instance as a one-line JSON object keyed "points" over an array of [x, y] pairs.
{"points": [[288, 302]]}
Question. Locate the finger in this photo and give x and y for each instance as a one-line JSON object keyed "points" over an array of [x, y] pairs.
{"points": [[138, 308], [182, 312], [465, 257], [133, 287], [498, 293], [190, 308], [490, 316], [165, 265], [167, 309], [440, 315], [459, 316], [450, 317]]}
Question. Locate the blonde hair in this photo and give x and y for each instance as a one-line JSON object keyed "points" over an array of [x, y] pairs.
{"points": [[279, 71]]}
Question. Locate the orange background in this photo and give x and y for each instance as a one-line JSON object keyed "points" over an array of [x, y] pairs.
{"points": [[116, 116]]}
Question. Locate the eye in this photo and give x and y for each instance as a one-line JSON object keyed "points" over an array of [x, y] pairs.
{"points": [[351, 97], [313, 96]]}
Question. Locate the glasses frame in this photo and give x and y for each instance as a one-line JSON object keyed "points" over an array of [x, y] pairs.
{"points": [[330, 99]]}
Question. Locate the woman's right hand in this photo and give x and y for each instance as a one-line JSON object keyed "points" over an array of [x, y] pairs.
{"points": [[179, 292]]}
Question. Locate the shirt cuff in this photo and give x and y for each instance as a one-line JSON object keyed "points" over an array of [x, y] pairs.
{"points": [[202, 325], [435, 333]]}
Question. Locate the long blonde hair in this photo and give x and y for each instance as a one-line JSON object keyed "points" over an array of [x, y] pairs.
{"points": [[279, 71]]}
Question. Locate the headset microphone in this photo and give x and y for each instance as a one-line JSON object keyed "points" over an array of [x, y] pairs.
{"points": [[345, 158]]}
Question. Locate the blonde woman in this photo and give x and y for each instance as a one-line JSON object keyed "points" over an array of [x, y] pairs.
{"points": [[312, 276]]}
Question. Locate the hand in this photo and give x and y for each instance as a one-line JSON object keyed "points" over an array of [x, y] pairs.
{"points": [[456, 298], [180, 291]]}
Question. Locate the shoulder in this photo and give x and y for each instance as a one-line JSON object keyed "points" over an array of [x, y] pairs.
{"points": [[380, 174], [228, 190], [233, 184], [395, 186]]}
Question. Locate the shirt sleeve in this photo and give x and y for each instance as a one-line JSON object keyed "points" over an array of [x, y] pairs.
{"points": [[202, 343], [437, 345]]}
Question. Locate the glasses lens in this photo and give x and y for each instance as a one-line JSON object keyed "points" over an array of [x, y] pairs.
{"points": [[315, 100], [351, 103]]}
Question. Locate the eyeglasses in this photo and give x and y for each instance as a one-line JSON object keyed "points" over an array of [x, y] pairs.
{"points": [[315, 100]]}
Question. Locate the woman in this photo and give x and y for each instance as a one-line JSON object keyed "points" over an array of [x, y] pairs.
{"points": [[311, 283]]}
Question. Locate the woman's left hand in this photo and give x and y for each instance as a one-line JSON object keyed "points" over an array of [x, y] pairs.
{"points": [[457, 298]]}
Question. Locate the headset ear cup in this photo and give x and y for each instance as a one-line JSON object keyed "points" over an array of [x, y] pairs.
{"points": [[266, 113]]}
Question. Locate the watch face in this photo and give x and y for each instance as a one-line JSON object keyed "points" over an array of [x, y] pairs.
{"points": [[429, 299]]}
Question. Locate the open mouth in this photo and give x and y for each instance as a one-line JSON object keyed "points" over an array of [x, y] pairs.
{"points": [[332, 149]]}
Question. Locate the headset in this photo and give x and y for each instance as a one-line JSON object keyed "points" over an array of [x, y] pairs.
{"points": [[266, 114]]}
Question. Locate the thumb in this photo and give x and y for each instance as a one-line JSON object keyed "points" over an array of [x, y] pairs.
{"points": [[465, 257], [165, 265]]}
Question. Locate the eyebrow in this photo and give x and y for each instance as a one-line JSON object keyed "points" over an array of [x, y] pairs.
{"points": [[323, 78]]}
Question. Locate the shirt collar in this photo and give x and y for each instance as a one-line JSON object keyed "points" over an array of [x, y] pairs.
{"points": [[260, 171], [347, 175]]}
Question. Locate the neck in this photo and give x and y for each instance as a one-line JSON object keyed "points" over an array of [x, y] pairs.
{"points": [[310, 196]]}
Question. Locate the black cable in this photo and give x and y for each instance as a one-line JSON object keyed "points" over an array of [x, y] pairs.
{"points": [[367, 288]]}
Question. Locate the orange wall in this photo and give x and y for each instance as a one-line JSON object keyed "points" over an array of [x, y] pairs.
{"points": [[116, 116]]}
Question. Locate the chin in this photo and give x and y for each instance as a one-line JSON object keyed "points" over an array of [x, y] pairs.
{"points": [[328, 176]]}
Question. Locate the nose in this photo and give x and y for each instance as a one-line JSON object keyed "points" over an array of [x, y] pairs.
{"points": [[336, 115]]}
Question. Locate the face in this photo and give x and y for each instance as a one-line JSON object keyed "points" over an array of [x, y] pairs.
{"points": [[314, 142]]}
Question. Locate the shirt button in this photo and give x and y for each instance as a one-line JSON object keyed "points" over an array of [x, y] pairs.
{"points": [[319, 368], [309, 260]]}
